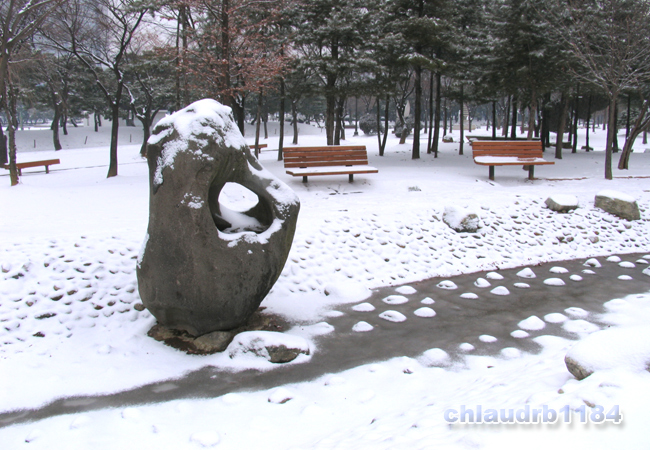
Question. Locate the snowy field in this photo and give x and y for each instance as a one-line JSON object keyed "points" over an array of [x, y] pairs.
{"points": [[69, 326]]}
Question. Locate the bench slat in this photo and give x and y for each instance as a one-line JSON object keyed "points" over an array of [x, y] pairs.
{"points": [[330, 170], [323, 148]]}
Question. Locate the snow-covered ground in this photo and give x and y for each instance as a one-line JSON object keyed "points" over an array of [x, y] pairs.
{"points": [[68, 326]]}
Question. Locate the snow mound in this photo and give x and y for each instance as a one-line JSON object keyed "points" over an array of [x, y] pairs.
{"points": [[614, 348], [533, 323]]}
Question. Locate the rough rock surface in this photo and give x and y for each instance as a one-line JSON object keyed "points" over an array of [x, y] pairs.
{"points": [[562, 203], [618, 203], [461, 220], [204, 267]]}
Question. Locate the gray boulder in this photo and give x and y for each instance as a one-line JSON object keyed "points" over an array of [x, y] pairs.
{"points": [[618, 203], [204, 267], [562, 203]]}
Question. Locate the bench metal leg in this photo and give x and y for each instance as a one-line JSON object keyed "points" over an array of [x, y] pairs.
{"points": [[351, 177], [531, 172], [47, 169], [491, 173], [304, 179]]}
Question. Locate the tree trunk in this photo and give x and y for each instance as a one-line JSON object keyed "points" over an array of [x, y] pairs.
{"points": [[436, 130], [294, 115], [462, 120], [640, 124], [574, 148], [282, 105], [379, 133], [494, 120], [588, 120], [611, 131], [532, 115], [513, 128], [506, 116], [430, 131], [4, 151], [11, 132], [415, 154], [627, 121], [386, 110], [115, 125], [561, 126], [258, 119], [145, 119], [615, 137], [444, 128], [55, 128], [339, 132]]}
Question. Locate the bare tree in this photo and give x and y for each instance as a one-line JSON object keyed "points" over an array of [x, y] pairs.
{"points": [[19, 20], [99, 34], [609, 41]]}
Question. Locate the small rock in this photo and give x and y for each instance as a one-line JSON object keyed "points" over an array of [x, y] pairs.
{"points": [[562, 203], [280, 396], [461, 220], [272, 346]]}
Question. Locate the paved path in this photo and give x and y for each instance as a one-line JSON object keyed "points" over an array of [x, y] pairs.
{"points": [[458, 320]]}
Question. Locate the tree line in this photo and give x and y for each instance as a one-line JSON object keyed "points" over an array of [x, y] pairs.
{"points": [[546, 62]]}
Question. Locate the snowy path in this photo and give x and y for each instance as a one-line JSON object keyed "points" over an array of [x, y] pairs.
{"points": [[497, 313]]}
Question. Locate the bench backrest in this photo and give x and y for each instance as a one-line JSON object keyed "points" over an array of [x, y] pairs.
{"points": [[329, 155], [530, 149]]}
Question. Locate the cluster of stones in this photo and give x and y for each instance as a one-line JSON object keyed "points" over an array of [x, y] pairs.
{"points": [[612, 202], [466, 220]]}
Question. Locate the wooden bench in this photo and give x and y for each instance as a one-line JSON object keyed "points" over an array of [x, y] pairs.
{"points": [[24, 165], [327, 160], [509, 153]]}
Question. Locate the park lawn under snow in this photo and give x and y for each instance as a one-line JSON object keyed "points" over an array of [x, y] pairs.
{"points": [[70, 240]]}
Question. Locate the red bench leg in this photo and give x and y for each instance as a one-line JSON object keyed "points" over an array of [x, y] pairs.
{"points": [[351, 177], [304, 179], [47, 169], [491, 173], [531, 172]]}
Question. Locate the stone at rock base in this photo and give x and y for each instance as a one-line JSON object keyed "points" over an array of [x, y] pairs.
{"points": [[618, 203], [216, 341], [461, 220], [272, 346], [562, 203]]}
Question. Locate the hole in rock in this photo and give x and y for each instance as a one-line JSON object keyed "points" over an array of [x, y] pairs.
{"points": [[239, 209]]}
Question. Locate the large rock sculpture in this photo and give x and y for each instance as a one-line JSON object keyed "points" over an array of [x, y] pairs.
{"points": [[204, 267]]}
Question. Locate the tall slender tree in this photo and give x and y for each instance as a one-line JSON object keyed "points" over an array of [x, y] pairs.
{"points": [[19, 20]]}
